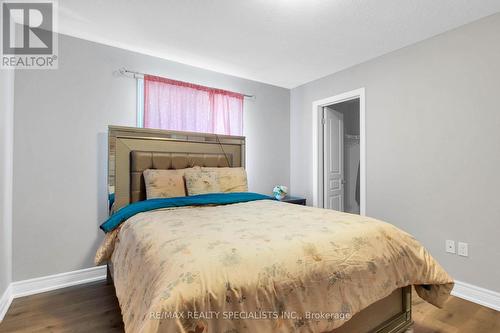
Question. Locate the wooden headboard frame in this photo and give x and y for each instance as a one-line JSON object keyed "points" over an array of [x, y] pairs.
{"points": [[132, 150]]}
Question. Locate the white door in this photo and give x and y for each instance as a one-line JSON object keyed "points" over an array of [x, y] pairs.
{"points": [[333, 159]]}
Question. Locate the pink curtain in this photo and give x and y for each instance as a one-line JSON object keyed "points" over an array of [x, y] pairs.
{"points": [[181, 106]]}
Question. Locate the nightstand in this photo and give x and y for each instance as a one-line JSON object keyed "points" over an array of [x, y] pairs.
{"points": [[294, 200]]}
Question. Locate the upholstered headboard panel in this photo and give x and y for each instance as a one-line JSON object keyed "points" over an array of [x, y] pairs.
{"points": [[133, 150], [142, 160]]}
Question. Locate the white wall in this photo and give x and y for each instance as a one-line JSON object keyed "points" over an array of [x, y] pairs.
{"points": [[6, 150], [60, 147], [433, 136]]}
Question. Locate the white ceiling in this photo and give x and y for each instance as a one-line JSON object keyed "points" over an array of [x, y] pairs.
{"points": [[282, 42]]}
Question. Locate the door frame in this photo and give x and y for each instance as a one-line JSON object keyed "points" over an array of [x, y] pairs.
{"points": [[317, 144]]}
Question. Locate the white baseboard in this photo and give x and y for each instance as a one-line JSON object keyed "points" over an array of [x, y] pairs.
{"points": [[5, 301], [478, 295], [57, 281], [48, 283]]}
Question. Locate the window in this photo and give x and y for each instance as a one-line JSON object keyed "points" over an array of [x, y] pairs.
{"points": [[174, 105]]}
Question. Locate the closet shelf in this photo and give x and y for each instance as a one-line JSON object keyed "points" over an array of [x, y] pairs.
{"points": [[351, 137]]}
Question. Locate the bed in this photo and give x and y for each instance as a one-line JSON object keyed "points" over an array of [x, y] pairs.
{"points": [[251, 264]]}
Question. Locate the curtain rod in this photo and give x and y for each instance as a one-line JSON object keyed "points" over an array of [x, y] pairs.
{"points": [[139, 75]]}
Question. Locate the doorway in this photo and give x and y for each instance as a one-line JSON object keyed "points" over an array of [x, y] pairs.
{"points": [[341, 156], [339, 169]]}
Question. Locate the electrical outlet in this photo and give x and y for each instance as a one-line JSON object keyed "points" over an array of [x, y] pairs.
{"points": [[463, 249], [450, 246]]}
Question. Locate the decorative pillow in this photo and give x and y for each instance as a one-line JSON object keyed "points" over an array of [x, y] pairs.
{"points": [[231, 179], [164, 183], [201, 181]]}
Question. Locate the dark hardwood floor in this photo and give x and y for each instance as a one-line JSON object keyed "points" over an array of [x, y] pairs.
{"points": [[94, 308], [457, 316], [87, 308]]}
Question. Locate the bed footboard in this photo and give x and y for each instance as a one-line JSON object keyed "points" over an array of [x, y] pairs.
{"points": [[389, 315]]}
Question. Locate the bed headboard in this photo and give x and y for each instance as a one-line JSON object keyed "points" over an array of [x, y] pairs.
{"points": [[132, 150]]}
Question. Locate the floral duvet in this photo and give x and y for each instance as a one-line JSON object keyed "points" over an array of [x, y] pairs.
{"points": [[260, 266]]}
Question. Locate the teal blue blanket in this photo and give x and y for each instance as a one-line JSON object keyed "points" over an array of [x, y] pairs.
{"points": [[194, 200]]}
